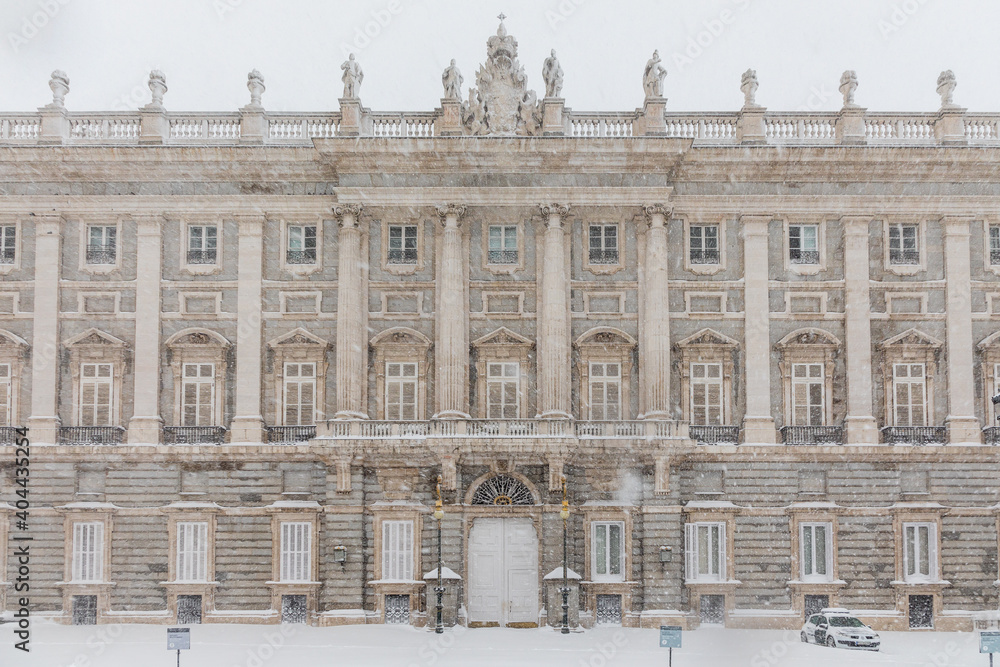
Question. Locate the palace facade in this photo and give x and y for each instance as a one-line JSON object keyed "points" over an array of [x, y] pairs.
{"points": [[757, 350]]}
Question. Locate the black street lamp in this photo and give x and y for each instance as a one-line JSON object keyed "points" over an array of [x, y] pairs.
{"points": [[564, 514], [439, 589], [996, 406]]}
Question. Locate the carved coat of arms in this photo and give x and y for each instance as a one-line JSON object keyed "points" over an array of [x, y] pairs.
{"points": [[501, 102]]}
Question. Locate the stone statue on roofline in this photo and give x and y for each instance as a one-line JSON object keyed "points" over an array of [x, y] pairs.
{"points": [[59, 85], [552, 74], [452, 80], [352, 78], [848, 84], [749, 85], [946, 87], [653, 75]]}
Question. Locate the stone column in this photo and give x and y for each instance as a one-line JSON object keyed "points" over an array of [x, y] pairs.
{"points": [[352, 316], [145, 425], [758, 424], [553, 322], [859, 425], [452, 346], [654, 343], [248, 424], [44, 420], [963, 426]]}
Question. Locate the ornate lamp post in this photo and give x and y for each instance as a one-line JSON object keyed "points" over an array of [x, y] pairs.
{"points": [[439, 589], [564, 514]]}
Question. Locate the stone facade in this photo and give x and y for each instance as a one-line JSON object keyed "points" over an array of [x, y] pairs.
{"points": [[759, 349]]}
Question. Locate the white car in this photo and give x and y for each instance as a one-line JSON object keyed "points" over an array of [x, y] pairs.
{"points": [[838, 628]]}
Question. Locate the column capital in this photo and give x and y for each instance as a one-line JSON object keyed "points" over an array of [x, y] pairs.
{"points": [[956, 225], [251, 225], [347, 214], [658, 210], [148, 225], [755, 225], [856, 225], [450, 210], [48, 225], [551, 211]]}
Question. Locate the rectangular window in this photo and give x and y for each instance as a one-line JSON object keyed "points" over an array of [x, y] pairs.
{"points": [[609, 550], [203, 244], [816, 551], [6, 397], [300, 394], [88, 551], [301, 244], [503, 244], [96, 394], [502, 390], [803, 244], [807, 395], [903, 245], [604, 244], [397, 550], [192, 550], [402, 244], [703, 244], [198, 395], [706, 394], [705, 551], [994, 245], [920, 551], [8, 244], [401, 391], [296, 551], [605, 392], [909, 392], [102, 244]]}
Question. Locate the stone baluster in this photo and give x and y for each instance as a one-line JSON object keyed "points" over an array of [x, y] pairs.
{"points": [[758, 423], [963, 427], [44, 420], [146, 423], [248, 424], [352, 316], [859, 425], [451, 322], [654, 344], [554, 323]]}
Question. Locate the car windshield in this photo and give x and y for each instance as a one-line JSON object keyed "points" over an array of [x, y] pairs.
{"points": [[846, 622]]}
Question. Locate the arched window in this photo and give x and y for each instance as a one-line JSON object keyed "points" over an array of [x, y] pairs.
{"points": [[503, 490]]}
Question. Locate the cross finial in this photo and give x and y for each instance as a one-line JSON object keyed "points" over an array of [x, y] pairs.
{"points": [[501, 16]]}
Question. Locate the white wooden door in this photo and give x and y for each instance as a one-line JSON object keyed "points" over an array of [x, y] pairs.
{"points": [[503, 571]]}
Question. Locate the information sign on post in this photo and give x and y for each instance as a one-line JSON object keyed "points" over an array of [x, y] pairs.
{"points": [[989, 642], [670, 638], [178, 639]]}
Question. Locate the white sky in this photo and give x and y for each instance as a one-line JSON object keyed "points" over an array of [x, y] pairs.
{"points": [[206, 47]]}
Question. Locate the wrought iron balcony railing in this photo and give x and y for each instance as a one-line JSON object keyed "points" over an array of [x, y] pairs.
{"points": [[502, 256], [202, 256], [405, 256], [101, 254], [194, 435], [914, 435], [812, 435], [289, 435], [715, 435], [8, 435], [994, 257], [803, 256], [7, 256], [991, 435], [603, 256], [503, 428], [91, 435], [707, 256], [300, 256], [897, 256]]}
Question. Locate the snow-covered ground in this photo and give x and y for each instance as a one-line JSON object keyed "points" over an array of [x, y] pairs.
{"points": [[381, 646]]}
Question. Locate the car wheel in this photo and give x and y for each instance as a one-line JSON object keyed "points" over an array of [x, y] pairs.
{"points": [[804, 637], [831, 642]]}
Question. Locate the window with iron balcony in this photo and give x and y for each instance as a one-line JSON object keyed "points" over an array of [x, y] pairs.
{"points": [[803, 244], [301, 245], [8, 244], [102, 244], [203, 244], [904, 247], [603, 244], [402, 244], [703, 244], [503, 244]]}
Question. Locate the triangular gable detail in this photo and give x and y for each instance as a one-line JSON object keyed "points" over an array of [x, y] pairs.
{"points": [[708, 337], [298, 336], [94, 337], [912, 337], [502, 336]]}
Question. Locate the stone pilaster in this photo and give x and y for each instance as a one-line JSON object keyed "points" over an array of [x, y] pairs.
{"points": [[352, 316], [654, 343], [963, 427], [758, 423], [146, 423], [44, 420], [859, 425], [248, 424], [451, 323], [553, 324]]}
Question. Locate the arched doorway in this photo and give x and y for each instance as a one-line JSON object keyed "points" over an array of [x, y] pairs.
{"points": [[503, 557]]}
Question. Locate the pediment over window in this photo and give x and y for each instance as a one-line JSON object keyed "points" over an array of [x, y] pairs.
{"points": [[809, 336], [93, 337], [912, 338], [991, 341], [502, 336], [608, 337], [297, 337], [707, 338], [195, 337], [10, 339], [401, 337]]}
